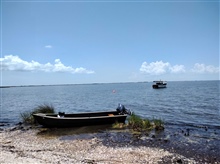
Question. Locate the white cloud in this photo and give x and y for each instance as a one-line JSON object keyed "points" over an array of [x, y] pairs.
{"points": [[202, 68], [177, 68], [159, 67], [14, 63], [48, 46]]}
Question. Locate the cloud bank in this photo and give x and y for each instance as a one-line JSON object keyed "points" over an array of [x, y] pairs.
{"points": [[202, 68], [160, 67], [14, 63]]}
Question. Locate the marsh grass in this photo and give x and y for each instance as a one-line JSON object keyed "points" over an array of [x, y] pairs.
{"points": [[45, 108], [138, 124], [118, 125], [27, 117], [158, 124]]}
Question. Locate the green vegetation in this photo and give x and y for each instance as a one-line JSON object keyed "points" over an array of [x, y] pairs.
{"points": [[138, 124], [29, 119], [118, 125], [158, 124]]}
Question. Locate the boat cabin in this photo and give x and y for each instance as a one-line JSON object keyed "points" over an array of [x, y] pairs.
{"points": [[159, 84]]}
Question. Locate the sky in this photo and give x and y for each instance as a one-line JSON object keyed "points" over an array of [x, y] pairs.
{"points": [[79, 42]]}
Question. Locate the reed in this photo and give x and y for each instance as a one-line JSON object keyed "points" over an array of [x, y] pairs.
{"points": [[158, 124], [138, 124], [45, 108], [27, 117], [118, 125]]}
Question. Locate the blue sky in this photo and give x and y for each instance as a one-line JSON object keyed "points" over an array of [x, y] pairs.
{"points": [[74, 42]]}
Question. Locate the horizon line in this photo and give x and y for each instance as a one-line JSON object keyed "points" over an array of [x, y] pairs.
{"points": [[40, 85]]}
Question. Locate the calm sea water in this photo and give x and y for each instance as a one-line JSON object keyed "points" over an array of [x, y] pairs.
{"points": [[193, 103]]}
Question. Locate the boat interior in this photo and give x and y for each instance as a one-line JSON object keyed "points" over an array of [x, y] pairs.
{"points": [[95, 114]]}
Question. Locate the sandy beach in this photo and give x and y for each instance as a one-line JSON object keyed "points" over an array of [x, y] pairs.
{"points": [[26, 146]]}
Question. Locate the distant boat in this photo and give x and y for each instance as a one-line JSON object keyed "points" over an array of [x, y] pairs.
{"points": [[82, 119], [159, 84]]}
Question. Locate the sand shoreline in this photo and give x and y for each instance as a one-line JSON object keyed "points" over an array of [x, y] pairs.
{"points": [[25, 146]]}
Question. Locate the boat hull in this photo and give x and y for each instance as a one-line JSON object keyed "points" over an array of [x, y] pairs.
{"points": [[80, 119], [159, 84], [155, 86]]}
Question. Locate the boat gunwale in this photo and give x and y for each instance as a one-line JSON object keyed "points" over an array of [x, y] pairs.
{"points": [[42, 115]]}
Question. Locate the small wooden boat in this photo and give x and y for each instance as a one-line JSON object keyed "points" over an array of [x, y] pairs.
{"points": [[159, 84], [80, 119]]}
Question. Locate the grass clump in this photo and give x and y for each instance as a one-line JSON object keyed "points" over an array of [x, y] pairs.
{"points": [[138, 124], [158, 124], [118, 125], [45, 108], [27, 117]]}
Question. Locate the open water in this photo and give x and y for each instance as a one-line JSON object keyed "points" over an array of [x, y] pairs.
{"points": [[194, 103], [190, 111]]}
